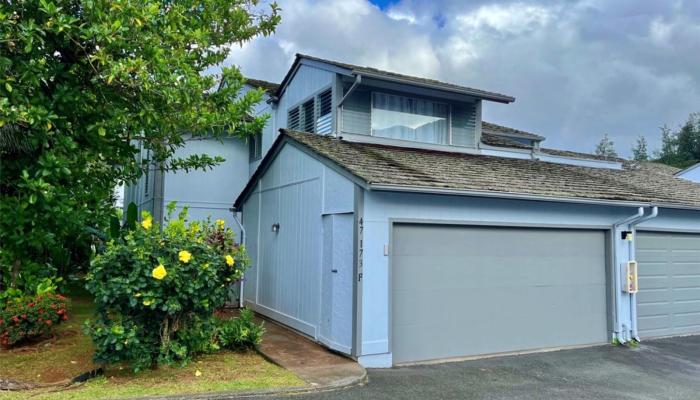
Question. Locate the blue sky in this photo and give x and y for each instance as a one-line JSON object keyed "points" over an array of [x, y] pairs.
{"points": [[578, 68]]}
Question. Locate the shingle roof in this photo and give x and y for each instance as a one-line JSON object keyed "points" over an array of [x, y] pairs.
{"points": [[379, 165], [405, 78], [500, 130], [265, 85]]}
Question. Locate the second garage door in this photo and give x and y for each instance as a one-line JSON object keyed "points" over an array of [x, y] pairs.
{"points": [[462, 290], [669, 284]]}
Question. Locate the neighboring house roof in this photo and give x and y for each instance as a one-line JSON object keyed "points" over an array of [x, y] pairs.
{"points": [[269, 87], [500, 130], [496, 140], [655, 167], [382, 167], [692, 167], [393, 76]]}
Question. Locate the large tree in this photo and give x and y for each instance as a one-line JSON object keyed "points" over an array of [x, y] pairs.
{"points": [[606, 148], [83, 85], [681, 148], [640, 152]]}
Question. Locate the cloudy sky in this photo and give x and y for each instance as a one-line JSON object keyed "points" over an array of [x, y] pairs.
{"points": [[578, 68]]}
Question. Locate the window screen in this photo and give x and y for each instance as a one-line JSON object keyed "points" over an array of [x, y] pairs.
{"points": [[293, 120], [308, 116], [324, 120]]}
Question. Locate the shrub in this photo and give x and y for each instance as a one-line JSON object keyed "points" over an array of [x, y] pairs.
{"points": [[240, 333], [31, 318], [156, 290]]}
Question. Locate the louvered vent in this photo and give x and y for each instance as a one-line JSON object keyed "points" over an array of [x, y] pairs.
{"points": [[293, 120], [308, 122], [324, 120]]}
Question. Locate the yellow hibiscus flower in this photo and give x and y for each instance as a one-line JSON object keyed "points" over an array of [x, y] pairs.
{"points": [[147, 223], [229, 260], [184, 256], [220, 223], [159, 272]]}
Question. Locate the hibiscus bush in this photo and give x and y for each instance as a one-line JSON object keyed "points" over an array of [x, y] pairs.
{"points": [[31, 317], [156, 290]]}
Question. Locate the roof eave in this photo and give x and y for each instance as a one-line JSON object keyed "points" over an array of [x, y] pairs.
{"points": [[466, 91], [524, 196]]}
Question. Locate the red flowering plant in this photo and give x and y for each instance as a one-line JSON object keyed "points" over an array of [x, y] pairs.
{"points": [[31, 318]]}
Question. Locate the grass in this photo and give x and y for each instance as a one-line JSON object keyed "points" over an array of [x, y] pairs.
{"points": [[69, 353]]}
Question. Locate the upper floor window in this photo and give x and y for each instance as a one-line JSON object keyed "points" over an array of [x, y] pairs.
{"points": [[255, 147], [408, 118], [312, 115]]}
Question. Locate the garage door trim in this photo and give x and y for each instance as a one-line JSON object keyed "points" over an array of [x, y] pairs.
{"points": [[609, 261]]}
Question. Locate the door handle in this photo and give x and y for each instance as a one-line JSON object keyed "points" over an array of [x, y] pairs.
{"points": [[335, 271]]}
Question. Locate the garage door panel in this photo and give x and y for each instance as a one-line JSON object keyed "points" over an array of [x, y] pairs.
{"points": [[668, 302], [480, 290], [656, 257], [654, 282]]}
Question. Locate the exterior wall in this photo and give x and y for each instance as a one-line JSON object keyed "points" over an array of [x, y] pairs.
{"points": [[268, 132], [306, 82], [209, 193], [291, 276], [691, 174], [381, 208]]}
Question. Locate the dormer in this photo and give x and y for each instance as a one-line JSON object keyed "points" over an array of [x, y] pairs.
{"points": [[367, 104]]}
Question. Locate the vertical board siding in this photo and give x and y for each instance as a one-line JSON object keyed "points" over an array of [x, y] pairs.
{"points": [[210, 193], [464, 124], [250, 220], [290, 267], [356, 113]]}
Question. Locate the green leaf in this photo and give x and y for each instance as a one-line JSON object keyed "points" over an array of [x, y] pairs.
{"points": [[131, 216], [8, 87]]}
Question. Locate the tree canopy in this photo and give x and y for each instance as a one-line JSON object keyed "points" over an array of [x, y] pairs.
{"points": [[84, 85], [606, 147]]}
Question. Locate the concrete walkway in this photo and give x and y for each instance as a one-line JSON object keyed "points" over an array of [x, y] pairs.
{"points": [[321, 368]]}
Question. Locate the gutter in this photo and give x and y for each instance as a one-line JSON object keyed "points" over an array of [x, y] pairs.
{"points": [[632, 256], [358, 80], [618, 227], [514, 196], [518, 196], [474, 93], [617, 268], [234, 211]]}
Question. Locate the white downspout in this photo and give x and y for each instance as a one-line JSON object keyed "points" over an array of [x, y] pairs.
{"points": [[234, 211], [618, 272], [632, 255]]}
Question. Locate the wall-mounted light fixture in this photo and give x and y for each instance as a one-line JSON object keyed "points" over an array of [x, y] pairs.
{"points": [[276, 227], [627, 235]]}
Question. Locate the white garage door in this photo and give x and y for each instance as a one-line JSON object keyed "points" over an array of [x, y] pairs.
{"points": [[461, 291], [669, 284]]}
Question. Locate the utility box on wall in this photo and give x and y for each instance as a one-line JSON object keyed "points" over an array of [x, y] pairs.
{"points": [[629, 277]]}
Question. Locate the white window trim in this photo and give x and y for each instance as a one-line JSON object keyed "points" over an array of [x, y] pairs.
{"points": [[449, 114]]}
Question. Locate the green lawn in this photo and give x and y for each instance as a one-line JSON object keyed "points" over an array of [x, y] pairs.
{"points": [[69, 353]]}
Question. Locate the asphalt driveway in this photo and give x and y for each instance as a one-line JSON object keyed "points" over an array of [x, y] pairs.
{"points": [[659, 369]]}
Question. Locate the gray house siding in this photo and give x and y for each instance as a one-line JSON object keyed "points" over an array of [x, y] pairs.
{"points": [[307, 262], [209, 193]]}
